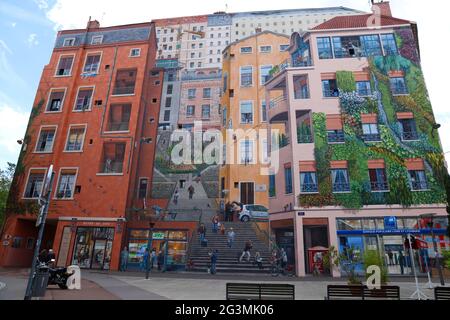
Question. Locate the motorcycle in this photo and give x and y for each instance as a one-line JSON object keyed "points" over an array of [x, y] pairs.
{"points": [[57, 276]]}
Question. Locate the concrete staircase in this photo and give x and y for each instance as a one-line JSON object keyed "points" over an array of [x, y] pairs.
{"points": [[228, 258]]}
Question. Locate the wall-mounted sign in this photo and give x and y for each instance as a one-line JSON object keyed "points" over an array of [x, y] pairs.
{"points": [[390, 223], [158, 235], [260, 188], [6, 243], [300, 214]]}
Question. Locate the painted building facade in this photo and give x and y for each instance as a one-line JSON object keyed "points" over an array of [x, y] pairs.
{"points": [[246, 67], [360, 166]]}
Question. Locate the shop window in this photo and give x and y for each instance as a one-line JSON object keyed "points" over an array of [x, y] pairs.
{"points": [[349, 224], [93, 247]]}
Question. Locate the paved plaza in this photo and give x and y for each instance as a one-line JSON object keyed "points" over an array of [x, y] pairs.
{"points": [[179, 286]]}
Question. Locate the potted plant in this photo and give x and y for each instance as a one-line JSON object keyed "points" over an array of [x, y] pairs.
{"points": [[373, 258], [347, 261]]}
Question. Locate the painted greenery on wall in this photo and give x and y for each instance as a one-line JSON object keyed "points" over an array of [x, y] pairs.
{"points": [[391, 148]]}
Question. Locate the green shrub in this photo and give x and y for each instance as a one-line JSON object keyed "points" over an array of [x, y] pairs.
{"points": [[373, 258]]}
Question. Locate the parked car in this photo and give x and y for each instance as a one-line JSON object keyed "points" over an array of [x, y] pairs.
{"points": [[253, 211]]}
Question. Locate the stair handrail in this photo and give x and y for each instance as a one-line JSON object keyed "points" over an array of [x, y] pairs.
{"points": [[263, 235]]}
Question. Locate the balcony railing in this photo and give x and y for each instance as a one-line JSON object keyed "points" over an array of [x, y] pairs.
{"points": [[277, 101], [419, 185], [341, 187], [196, 76], [123, 90], [375, 137], [336, 137], [331, 93], [410, 136], [304, 138], [73, 146], [309, 188], [112, 166], [301, 94], [364, 92], [379, 186], [399, 89], [118, 126]]}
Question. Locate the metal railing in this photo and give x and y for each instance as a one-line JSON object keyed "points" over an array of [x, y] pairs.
{"points": [[374, 137], [419, 185], [331, 93], [379, 186], [341, 187], [364, 92], [118, 126], [410, 136], [399, 89], [112, 167], [304, 138], [336, 137], [195, 76], [300, 94], [262, 235], [277, 101], [309, 188], [119, 90]]}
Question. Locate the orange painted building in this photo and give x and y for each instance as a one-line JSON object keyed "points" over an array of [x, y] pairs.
{"points": [[95, 114], [246, 65]]}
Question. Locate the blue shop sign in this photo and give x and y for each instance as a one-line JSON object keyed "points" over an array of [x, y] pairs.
{"points": [[390, 232], [390, 223]]}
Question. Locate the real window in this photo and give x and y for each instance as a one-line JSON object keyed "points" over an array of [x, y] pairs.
{"points": [[75, 139], [246, 109], [190, 111], [308, 182], [340, 180], [66, 184], [389, 44], [378, 180], [34, 184], [119, 117], [206, 111], [46, 139], [64, 66], [135, 52], [246, 50], [324, 48], [246, 76], [264, 73], [55, 100], [113, 157], [418, 180], [125, 82], [84, 99], [143, 187], [97, 40]]}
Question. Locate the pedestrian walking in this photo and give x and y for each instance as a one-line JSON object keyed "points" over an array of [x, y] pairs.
{"points": [[228, 211], [222, 228], [160, 260], [145, 260], [222, 210], [258, 260], [215, 223], [201, 232], [191, 191], [246, 251], [124, 259], [176, 195], [213, 257], [283, 260], [230, 238], [153, 258]]}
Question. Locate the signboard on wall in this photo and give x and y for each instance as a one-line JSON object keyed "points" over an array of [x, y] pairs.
{"points": [[260, 188], [158, 235], [64, 247]]}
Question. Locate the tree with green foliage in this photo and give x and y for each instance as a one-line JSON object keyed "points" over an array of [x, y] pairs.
{"points": [[6, 177]]}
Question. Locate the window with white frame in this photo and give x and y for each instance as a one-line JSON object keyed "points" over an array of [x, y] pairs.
{"points": [[265, 49], [246, 76], [34, 183], [283, 47], [246, 112], [75, 138], [190, 111], [246, 50], [135, 52], [264, 73], [69, 42], [64, 66], [97, 40], [55, 101], [46, 139], [206, 111], [92, 63], [84, 99], [246, 151], [66, 184]]}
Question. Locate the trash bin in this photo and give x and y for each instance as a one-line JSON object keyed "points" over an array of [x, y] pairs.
{"points": [[40, 283]]}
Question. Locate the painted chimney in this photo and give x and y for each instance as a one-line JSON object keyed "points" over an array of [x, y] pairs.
{"points": [[93, 24], [382, 8]]}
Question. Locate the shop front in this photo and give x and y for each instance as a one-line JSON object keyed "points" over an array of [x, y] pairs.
{"points": [[388, 235], [172, 244]]}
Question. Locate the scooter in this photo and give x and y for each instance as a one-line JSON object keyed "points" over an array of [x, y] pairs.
{"points": [[57, 276]]}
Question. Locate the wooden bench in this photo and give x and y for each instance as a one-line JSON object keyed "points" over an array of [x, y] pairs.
{"points": [[255, 291], [336, 292], [442, 293]]}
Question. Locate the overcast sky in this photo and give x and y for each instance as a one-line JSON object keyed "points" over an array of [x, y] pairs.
{"points": [[28, 29]]}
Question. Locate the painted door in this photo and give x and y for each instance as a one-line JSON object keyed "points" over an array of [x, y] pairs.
{"points": [[247, 192]]}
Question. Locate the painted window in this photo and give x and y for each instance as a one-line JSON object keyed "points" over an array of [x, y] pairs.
{"points": [[378, 180], [113, 157], [272, 186], [363, 88], [246, 76], [66, 185], [409, 130], [418, 180], [263, 111], [330, 88], [246, 151], [34, 184], [264, 73], [84, 99], [143, 186], [246, 112], [65, 66], [371, 45], [340, 180], [125, 82], [119, 117], [308, 182], [190, 111], [246, 50], [265, 49], [389, 44], [371, 132], [75, 139], [206, 93], [97, 40], [191, 93], [206, 111], [324, 48], [70, 42], [398, 85], [288, 180], [46, 140], [55, 100]]}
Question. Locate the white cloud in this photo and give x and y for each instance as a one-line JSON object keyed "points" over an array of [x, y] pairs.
{"points": [[42, 4], [13, 124], [13, 24], [32, 40]]}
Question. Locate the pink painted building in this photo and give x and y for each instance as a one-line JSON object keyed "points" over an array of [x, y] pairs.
{"points": [[356, 151], [200, 98]]}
